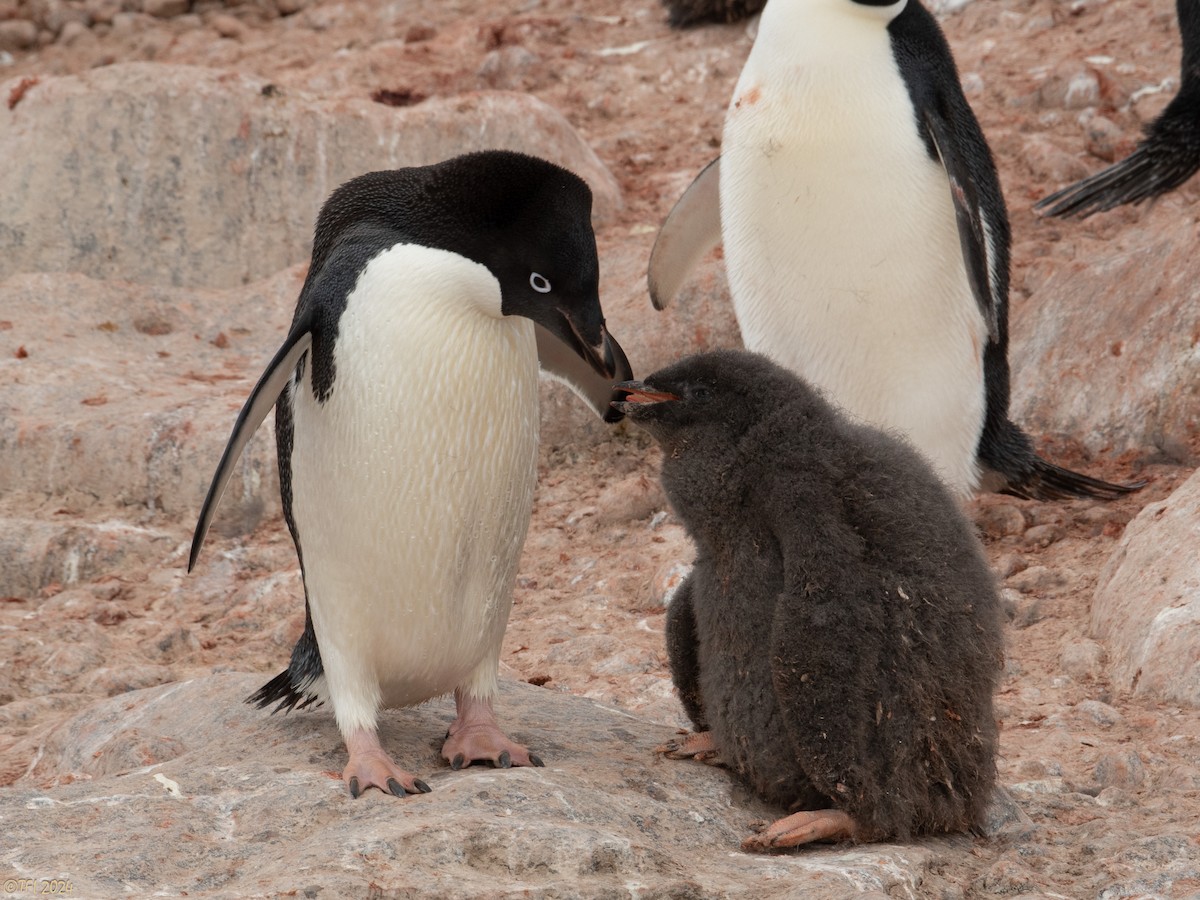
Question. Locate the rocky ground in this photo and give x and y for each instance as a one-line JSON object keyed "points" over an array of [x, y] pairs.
{"points": [[1109, 774]]}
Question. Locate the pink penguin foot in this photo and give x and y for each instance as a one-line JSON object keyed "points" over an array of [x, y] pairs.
{"points": [[802, 828], [698, 745], [475, 737], [370, 766]]}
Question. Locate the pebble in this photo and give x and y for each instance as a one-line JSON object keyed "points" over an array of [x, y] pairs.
{"points": [[507, 67], [667, 581], [1037, 579], [1000, 520], [1121, 769], [1100, 713], [1042, 536], [18, 34], [227, 26], [164, 9], [1083, 659], [1009, 564]]}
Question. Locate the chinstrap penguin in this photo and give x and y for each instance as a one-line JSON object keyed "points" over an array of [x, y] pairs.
{"points": [[866, 238], [406, 418], [839, 638], [1168, 155]]}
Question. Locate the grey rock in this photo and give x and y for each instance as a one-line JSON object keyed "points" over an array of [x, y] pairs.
{"points": [[17, 34], [197, 792], [1039, 580], [164, 9], [999, 519], [35, 553], [1098, 351], [1100, 713], [1082, 659], [1147, 603], [189, 176], [1121, 769], [126, 394]]}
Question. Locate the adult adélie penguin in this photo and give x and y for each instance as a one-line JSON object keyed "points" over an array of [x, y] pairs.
{"points": [[407, 426], [866, 238], [1166, 157]]}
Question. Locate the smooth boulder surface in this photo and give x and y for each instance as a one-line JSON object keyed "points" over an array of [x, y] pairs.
{"points": [[184, 788], [1147, 605], [1107, 348], [182, 175]]}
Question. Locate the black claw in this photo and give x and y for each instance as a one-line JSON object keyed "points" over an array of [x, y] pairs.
{"points": [[535, 760], [421, 786], [354, 791], [396, 788], [505, 761], [457, 762]]}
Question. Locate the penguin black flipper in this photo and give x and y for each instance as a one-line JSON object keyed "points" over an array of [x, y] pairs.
{"points": [[953, 137], [1168, 155], [270, 385], [692, 228], [564, 364], [979, 251]]}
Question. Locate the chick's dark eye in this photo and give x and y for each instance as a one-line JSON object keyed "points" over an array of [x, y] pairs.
{"points": [[700, 392]]}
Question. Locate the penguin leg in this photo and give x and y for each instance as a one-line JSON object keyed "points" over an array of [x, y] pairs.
{"points": [[370, 766], [802, 828], [474, 736], [698, 745]]}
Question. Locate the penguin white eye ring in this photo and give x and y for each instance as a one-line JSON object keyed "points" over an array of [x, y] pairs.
{"points": [[539, 283]]}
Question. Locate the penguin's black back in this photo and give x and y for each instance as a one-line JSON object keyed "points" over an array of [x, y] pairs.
{"points": [[846, 627]]}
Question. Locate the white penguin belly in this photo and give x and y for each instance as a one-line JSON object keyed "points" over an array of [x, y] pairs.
{"points": [[843, 252], [412, 483]]}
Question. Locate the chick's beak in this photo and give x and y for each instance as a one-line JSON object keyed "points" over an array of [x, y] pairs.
{"points": [[636, 392]]}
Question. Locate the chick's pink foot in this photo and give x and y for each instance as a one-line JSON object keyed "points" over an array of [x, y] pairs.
{"points": [[370, 766], [802, 828], [475, 737], [698, 745]]}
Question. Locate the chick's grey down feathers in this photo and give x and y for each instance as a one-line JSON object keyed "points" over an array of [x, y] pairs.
{"points": [[840, 632]]}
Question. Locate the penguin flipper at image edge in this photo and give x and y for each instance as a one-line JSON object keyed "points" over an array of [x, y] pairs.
{"points": [[954, 138], [692, 228], [1165, 158], [264, 396]]}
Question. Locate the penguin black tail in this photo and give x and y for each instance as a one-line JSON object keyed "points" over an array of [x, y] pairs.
{"points": [[1008, 452], [293, 687], [1168, 157], [1046, 481]]}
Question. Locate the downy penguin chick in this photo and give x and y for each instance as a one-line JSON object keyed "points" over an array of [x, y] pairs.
{"points": [[839, 636], [406, 418]]}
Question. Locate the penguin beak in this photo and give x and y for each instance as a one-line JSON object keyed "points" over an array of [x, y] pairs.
{"points": [[631, 394]]}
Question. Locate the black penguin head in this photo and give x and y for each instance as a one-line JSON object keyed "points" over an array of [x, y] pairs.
{"points": [[529, 222], [710, 398]]}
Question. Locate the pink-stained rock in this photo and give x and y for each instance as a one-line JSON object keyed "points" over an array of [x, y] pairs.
{"points": [[1107, 350], [178, 175], [1147, 605]]}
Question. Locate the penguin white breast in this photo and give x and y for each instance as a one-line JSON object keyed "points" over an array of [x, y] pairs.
{"points": [[413, 481], [841, 242]]}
